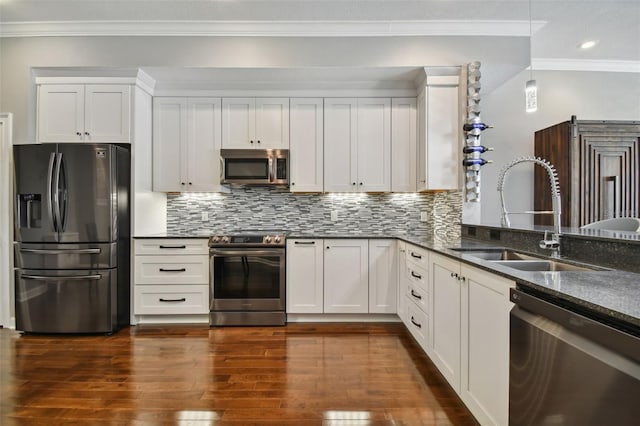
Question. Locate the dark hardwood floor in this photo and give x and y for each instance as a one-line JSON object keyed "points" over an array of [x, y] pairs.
{"points": [[301, 374]]}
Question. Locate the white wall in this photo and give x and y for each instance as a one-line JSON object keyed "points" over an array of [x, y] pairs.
{"points": [[561, 94], [6, 221]]}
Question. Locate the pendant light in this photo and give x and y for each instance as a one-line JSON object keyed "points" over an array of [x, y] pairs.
{"points": [[531, 89]]}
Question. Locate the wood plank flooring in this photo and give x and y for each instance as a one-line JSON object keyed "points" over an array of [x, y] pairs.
{"points": [[301, 374]]}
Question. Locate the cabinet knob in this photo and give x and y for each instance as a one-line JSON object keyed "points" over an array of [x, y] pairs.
{"points": [[293, 183], [181, 183], [258, 141], [190, 183], [353, 183], [86, 133], [360, 183], [328, 247], [78, 133], [251, 141]]}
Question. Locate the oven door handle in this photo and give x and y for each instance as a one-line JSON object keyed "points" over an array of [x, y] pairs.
{"points": [[246, 252]]}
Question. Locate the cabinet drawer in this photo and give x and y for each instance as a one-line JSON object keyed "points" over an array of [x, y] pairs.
{"points": [[171, 246], [192, 269], [419, 296], [164, 299], [418, 277], [418, 323], [418, 256]]}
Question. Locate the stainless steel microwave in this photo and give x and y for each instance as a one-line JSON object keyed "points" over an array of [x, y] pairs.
{"points": [[255, 166]]}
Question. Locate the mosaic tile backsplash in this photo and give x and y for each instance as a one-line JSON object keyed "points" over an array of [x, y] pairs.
{"points": [[275, 208]]}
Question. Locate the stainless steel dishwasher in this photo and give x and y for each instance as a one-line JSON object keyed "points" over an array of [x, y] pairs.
{"points": [[569, 369]]}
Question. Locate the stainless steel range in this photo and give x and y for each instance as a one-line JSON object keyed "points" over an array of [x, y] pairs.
{"points": [[247, 279]]}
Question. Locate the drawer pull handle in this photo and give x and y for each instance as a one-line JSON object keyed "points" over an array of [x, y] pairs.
{"points": [[414, 275], [417, 256], [173, 247], [173, 270], [184, 299], [417, 296], [415, 323], [305, 242]]}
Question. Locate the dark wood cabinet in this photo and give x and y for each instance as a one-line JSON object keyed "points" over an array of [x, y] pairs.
{"points": [[598, 164]]}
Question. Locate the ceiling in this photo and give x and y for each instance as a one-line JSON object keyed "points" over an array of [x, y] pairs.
{"points": [[559, 25]]}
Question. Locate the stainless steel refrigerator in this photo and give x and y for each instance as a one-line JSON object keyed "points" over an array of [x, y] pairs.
{"points": [[72, 232]]}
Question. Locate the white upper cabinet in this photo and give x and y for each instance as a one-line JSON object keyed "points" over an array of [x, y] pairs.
{"points": [[186, 144], [357, 145], [307, 143], [404, 130], [374, 144], [95, 113], [439, 135], [255, 123]]}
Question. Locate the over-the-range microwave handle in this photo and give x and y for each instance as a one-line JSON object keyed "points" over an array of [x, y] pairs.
{"points": [[222, 174], [271, 162]]}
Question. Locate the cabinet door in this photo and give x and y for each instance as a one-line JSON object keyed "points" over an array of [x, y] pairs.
{"points": [[238, 123], [445, 323], [107, 113], [169, 136], [340, 148], [272, 123], [485, 345], [307, 144], [439, 140], [402, 278], [304, 277], [374, 144], [403, 144], [383, 277], [203, 146], [60, 113], [346, 281]]}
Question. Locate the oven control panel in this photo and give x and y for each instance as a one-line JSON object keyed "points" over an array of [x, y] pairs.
{"points": [[247, 240]]}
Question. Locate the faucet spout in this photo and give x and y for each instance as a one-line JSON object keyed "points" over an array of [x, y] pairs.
{"points": [[554, 242]]}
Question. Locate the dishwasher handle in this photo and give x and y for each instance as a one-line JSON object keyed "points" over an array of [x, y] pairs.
{"points": [[603, 334]]}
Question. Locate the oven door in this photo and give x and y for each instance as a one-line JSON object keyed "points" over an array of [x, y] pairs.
{"points": [[247, 279]]}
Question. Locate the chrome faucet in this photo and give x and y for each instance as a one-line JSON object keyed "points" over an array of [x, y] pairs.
{"points": [[553, 242]]}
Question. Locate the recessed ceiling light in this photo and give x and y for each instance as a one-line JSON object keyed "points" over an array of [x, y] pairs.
{"points": [[587, 44]]}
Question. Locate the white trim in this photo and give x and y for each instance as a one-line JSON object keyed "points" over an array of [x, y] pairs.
{"points": [[269, 28], [86, 80], [6, 219], [343, 318], [600, 65], [145, 82]]}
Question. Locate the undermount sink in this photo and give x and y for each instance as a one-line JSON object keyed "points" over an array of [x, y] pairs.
{"points": [[521, 261], [541, 265]]}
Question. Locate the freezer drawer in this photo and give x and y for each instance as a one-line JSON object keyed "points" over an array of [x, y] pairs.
{"points": [[65, 256], [70, 301]]}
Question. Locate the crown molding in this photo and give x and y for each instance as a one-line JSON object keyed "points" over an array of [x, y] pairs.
{"points": [[518, 28], [599, 65]]}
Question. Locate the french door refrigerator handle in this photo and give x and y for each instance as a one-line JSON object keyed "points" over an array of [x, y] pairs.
{"points": [[95, 277], [52, 214], [63, 213], [56, 197]]}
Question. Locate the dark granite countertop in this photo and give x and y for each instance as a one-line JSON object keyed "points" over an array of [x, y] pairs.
{"points": [[610, 293]]}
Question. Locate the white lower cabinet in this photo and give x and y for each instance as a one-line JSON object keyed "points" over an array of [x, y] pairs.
{"points": [[170, 277], [445, 322], [382, 277], [346, 276], [484, 385], [469, 335], [342, 276], [305, 276], [401, 250]]}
